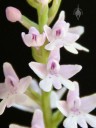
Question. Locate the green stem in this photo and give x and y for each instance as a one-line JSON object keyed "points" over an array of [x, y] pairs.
{"points": [[42, 16], [28, 23], [33, 3], [47, 113], [53, 10], [57, 118]]}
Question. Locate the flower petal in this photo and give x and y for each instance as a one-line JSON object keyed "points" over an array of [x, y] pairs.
{"points": [[91, 120], [62, 106], [16, 99], [48, 32], [24, 83], [38, 119], [35, 86], [27, 39], [56, 82], [3, 91], [71, 49], [39, 69], [77, 30], [62, 15], [82, 122], [73, 95], [80, 47], [33, 30], [61, 92], [70, 38], [16, 126], [70, 122], [46, 84], [67, 71], [9, 71], [53, 99], [3, 106], [88, 103], [67, 83]]}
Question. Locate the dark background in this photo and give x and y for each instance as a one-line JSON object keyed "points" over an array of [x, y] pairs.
{"points": [[13, 50]]}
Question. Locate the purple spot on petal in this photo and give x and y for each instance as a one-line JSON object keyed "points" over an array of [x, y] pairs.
{"points": [[53, 65], [34, 37], [58, 32]]}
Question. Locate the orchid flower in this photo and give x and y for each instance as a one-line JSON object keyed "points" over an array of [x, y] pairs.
{"points": [[77, 109], [62, 35], [55, 96], [37, 121], [33, 38], [12, 90], [54, 74]]}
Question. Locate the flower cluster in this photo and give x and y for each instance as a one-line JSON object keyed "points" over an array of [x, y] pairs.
{"points": [[41, 97]]}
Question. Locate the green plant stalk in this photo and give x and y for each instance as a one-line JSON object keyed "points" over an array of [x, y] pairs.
{"points": [[33, 3], [28, 23], [57, 117], [47, 113], [34, 96], [42, 16], [53, 10]]}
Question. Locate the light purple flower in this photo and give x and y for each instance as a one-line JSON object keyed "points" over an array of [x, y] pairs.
{"points": [[37, 121], [33, 38], [54, 74], [55, 96], [61, 35], [12, 90], [77, 109]]}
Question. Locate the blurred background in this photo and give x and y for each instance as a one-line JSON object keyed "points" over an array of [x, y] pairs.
{"points": [[13, 50]]}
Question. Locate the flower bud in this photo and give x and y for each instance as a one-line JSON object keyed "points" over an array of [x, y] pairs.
{"points": [[13, 14]]}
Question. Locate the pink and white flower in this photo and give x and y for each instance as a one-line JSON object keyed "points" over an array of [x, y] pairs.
{"points": [[55, 96], [77, 109], [54, 74], [33, 38], [61, 35], [12, 90], [37, 121]]}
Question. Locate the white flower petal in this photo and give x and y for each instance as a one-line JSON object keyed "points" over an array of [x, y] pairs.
{"points": [[67, 83], [70, 38], [53, 99], [71, 49], [40, 39], [62, 15], [88, 103], [3, 106], [56, 82], [9, 71], [3, 91], [16, 126], [24, 83], [33, 30], [46, 84], [62, 106], [77, 30], [35, 86], [80, 47], [82, 122], [48, 32], [27, 39], [70, 122], [61, 92], [67, 71], [16, 99], [38, 119], [39, 69], [91, 120]]}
